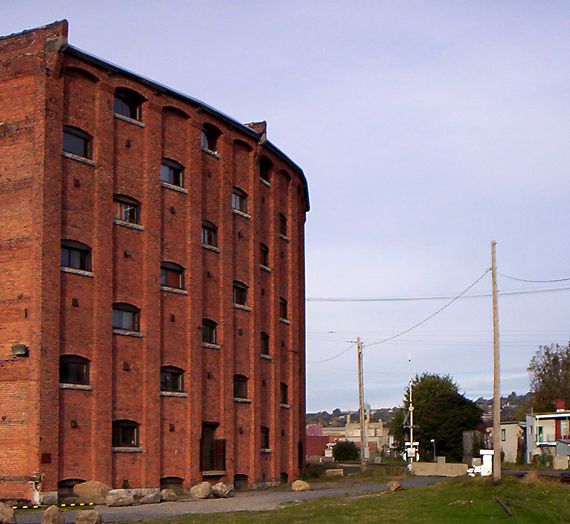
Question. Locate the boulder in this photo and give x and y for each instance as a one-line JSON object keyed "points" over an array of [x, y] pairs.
{"points": [[91, 491], [151, 498], [168, 495], [88, 516], [53, 515], [394, 485], [119, 497], [203, 490], [334, 472], [222, 490], [6, 514], [49, 498], [300, 485]]}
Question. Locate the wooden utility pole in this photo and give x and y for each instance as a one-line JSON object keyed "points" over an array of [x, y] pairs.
{"points": [[361, 405], [497, 372]]}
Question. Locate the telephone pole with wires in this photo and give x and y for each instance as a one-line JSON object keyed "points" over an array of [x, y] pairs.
{"points": [[361, 405], [496, 372]]}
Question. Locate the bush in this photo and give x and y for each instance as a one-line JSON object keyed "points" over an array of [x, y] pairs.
{"points": [[345, 450], [313, 471]]}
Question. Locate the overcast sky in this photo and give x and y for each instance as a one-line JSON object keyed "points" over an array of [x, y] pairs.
{"points": [[425, 129]]}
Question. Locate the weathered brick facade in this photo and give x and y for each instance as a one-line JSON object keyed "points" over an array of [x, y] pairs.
{"points": [[63, 434]]}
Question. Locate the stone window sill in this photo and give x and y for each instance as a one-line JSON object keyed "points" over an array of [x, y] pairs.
{"points": [[214, 473], [78, 158], [129, 120], [210, 248], [284, 320], [166, 185], [209, 345], [265, 268], [283, 237], [79, 387], [178, 394], [266, 357], [242, 307], [211, 153], [126, 450], [74, 271], [174, 290], [284, 406], [266, 182], [266, 451], [241, 214], [130, 225], [242, 400], [127, 333]]}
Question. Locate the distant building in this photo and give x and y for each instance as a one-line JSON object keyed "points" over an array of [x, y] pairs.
{"points": [[547, 433]]}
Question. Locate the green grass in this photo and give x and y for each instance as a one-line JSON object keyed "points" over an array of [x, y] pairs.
{"points": [[459, 500]]}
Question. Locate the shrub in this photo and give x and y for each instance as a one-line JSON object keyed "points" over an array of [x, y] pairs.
{"points": [[313, 471], [345, 450]]}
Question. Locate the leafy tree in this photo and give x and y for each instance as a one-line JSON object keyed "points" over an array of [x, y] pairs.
{"points": [[441, 412], [345, 450], [549, 372]]}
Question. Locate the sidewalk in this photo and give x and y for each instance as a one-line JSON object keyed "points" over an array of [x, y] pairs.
{"points": [[244, 501]]}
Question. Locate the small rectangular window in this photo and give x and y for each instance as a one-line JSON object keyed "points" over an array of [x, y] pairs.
{"points": [[265, 438], [125, 317], [127, 210], [76, 142], [171, 379], [264, 343], [75, 255], [240, 387], [171, 172], [284, 393], [209, 234], [209, 331], [240, 294], [283, 309], [73, 370], [239, 200], [172, 275], [125, 434], [282, 225], [264, 255]]}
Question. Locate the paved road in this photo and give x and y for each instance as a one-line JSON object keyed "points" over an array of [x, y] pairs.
{"points": [[244, 501]]}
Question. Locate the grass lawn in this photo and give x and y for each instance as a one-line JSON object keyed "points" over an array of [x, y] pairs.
{"points": [[458, 500]]}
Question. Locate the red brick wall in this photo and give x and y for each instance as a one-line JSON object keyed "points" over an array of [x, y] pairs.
{"points": [[45, 197]]}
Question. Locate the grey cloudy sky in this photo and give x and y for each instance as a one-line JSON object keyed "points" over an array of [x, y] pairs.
{"points": [[426, 129]]}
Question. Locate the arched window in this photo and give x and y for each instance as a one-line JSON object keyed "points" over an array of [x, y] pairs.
{"points": [[127, 209], [77, 142], [171, 275], [283, 309], [239, 200], [265, 166], [284, 393], [264, 343], [209, 331], [125, 434], [126, 317], [128, 103], [209, 234], [240, 293], [263, 255], [171, 379], [209, 138], [171, 172], [240, 386], [73, 370], [282, 225], [75, 255]]}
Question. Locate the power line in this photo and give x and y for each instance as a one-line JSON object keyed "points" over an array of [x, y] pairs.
{"points": [[332, 358], [433, 314], [434, 297], [534, 281]]}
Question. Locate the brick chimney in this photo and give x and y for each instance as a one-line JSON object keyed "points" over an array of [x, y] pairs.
{"points": [[560, 405]]}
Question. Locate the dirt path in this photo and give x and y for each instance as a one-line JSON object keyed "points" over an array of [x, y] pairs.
{"points": [[245, 501]]}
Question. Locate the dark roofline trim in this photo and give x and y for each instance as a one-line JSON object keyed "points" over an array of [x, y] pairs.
{"points": [[157, 86]]}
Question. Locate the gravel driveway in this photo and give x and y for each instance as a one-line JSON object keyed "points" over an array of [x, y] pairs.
{"points": [[244, 501]]}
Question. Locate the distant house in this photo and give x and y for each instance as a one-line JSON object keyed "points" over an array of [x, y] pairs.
{"points": [[512, 436], [547, 433]]}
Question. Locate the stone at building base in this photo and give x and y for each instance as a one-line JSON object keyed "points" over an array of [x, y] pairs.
{"points": [[91, 491], [394, 485], [6, 514], [336, 472], [53, 515], [222, 490], [203, 490], [88, 516], [168, 495], [119, 497], [300, 485], [48, 498], [151, 498]]}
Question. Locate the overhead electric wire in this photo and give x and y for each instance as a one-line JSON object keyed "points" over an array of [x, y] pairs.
{"points": [[432, 315], [533, 281], [332, 358], [435, 297]]}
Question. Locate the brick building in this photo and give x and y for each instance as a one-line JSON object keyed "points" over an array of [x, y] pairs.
{"points": [[152, 282]]}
